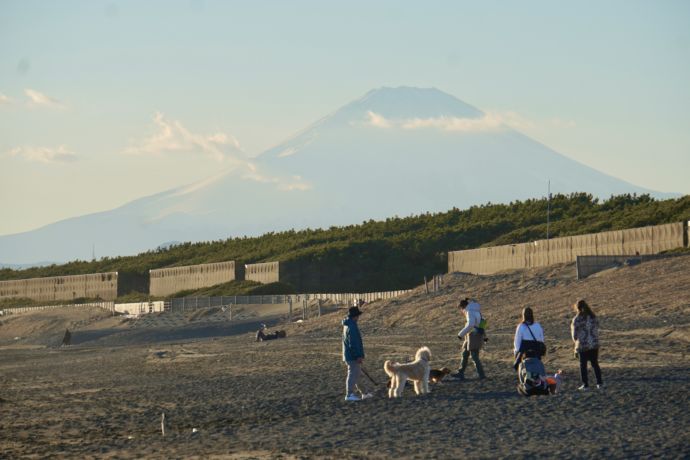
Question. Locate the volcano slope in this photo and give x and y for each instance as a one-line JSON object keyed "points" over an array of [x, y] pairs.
{"points": [[227, 396]]}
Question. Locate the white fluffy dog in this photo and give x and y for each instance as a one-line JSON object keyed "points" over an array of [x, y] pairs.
{"points": [[417, 371]]}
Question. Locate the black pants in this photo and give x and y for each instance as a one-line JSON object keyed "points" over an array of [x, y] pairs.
{"points": [[593, 357]]}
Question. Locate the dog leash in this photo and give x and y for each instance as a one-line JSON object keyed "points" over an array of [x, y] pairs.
{"points": [[368, 376]]}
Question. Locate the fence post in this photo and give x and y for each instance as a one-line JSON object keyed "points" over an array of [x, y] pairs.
{"points": [[290, 308], [426, 285]]}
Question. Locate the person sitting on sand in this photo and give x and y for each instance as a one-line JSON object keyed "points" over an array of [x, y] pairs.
{"points": [[262, 335], [529, 338], [585, 333]]}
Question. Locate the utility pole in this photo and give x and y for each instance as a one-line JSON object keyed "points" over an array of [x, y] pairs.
{"points": [[548, 210]]}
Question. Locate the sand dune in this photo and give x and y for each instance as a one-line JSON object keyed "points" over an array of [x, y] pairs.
{"points": [[226, 396]]}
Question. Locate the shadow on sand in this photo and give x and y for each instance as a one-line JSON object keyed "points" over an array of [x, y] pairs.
{"points": [[194, 331]]}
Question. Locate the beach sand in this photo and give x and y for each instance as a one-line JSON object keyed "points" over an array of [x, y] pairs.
{"points": [[226, 396]]}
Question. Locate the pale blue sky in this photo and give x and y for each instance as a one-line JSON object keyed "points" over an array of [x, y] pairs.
{"points": [[605, 83]]}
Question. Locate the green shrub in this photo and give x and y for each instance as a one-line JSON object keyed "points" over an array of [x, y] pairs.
{"points": [[395, 253]]}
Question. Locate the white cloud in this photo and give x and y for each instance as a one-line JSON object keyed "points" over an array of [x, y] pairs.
{"points": [[289, 184], [172, 136], [287, 152], [465, 125], [297, 142], [379, 121], [489, 122], [186, 190], [486, 123], [514, 120], [4, 100], [522, 123], [44, 154], [39, 99]]}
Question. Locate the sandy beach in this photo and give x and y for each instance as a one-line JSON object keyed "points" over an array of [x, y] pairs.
{"points": [[226, 396]]}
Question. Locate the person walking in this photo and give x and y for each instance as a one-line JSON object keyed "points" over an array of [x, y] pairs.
{"points": [[472, 336], [529, 338], [585, 333], [353, 355]]}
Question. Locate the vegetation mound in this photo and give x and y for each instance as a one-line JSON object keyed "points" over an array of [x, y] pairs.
{"points": [[395, 253]]}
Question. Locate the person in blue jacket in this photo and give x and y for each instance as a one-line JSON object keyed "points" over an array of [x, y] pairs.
{"points": [[353, 354]]}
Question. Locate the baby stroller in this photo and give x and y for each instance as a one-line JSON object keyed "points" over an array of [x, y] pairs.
{"points": [[532, 377]]}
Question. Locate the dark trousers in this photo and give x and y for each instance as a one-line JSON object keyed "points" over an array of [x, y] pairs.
{"points": [[477, 363], [593, 357]]}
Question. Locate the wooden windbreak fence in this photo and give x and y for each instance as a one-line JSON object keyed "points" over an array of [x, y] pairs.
{"points": [[541, 253]]}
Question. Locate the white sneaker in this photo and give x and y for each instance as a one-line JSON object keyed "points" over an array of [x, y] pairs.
{"points": [[583, 388], [367, 395], [600, 386], [352, 397]]}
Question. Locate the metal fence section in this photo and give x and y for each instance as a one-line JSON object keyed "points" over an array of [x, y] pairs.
{"points": [[296, 304], [192, 303], [104, 305], [350, 298], [181, 304]]}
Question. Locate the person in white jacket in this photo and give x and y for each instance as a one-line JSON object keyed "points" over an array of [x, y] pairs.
{"points": [[472, 337], [528, 336]]}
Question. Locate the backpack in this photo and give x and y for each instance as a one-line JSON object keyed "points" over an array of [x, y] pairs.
{"points": [[481, 327], [532, 378]]}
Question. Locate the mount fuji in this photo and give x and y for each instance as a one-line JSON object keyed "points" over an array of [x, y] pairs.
{"points": [[394, 151]]}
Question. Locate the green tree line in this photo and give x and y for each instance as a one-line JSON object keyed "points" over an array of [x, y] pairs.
{"points": [[398, 252]]}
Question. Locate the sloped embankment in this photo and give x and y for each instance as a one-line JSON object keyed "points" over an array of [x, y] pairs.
{"points": [[644, 310]]}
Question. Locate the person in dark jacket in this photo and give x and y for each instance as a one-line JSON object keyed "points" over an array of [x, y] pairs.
{"points": [[353, 354], [585, 333]]}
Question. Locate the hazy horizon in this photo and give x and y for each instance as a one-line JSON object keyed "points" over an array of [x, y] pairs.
{"points": [[105, 102]]}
